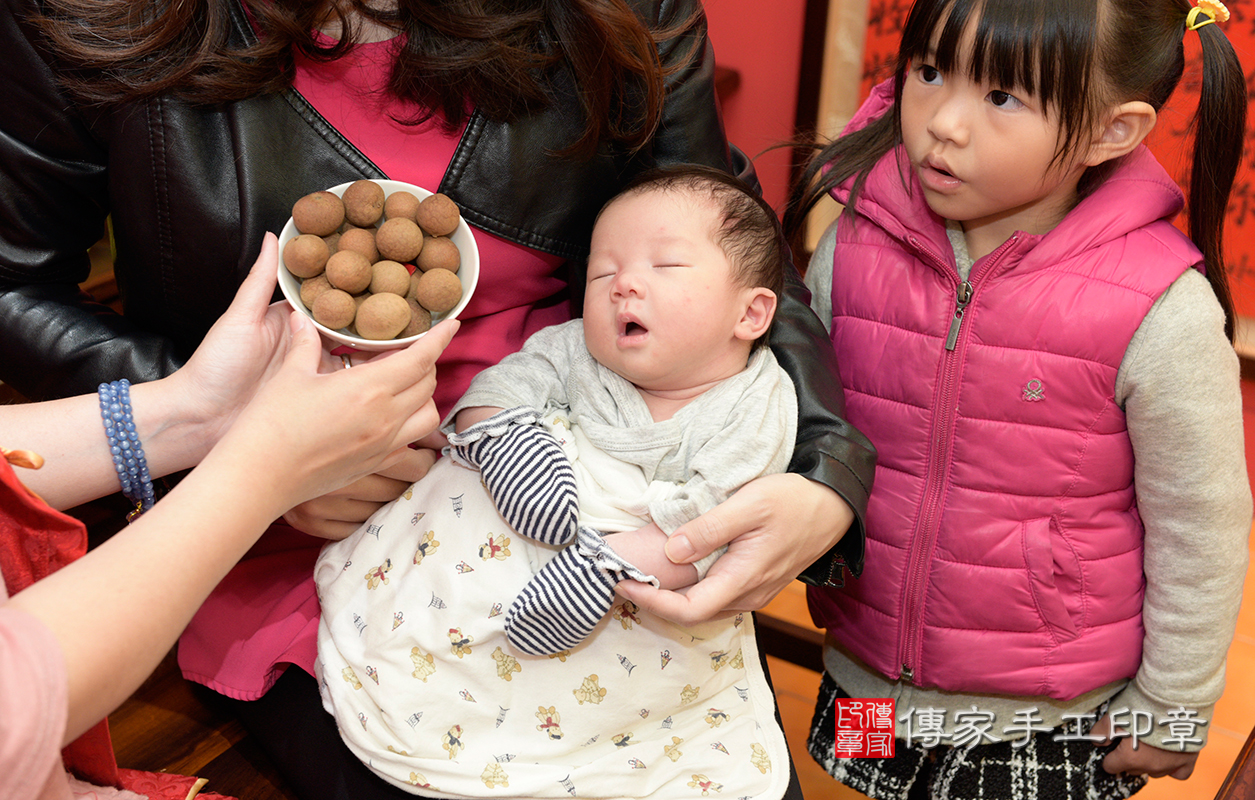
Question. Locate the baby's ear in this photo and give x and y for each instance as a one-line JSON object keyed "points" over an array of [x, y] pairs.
{"points": [[1127, 125], [759, 310]]}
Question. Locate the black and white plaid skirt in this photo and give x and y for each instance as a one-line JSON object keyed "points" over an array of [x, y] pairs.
{"points": [[1041, 769]]}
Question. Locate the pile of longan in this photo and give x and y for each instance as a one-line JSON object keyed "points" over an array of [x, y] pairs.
{"points": [[351, 255]]}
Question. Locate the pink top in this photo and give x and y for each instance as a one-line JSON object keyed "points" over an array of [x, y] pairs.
{"points": [[33, 703], [35, 541], [264, 614]]}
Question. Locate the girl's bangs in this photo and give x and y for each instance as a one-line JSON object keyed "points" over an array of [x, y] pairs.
{"points": [[1043, 47]]}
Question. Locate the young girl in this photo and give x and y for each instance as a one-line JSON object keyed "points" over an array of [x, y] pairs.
{"points": [[1056, 534]]}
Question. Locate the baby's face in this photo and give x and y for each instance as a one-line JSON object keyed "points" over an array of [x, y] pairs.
{"points": [[661, 306]]}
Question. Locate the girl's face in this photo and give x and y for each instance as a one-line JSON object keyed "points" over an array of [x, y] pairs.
{"points": [[984, 155]]}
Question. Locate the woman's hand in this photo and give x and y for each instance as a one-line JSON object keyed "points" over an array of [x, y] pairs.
{"points": [[336, 515], [774, 527], [312, 432], [241, 351], [1144, 759]]}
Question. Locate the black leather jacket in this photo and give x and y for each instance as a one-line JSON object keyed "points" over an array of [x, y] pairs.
{"points": [[190, 191]]}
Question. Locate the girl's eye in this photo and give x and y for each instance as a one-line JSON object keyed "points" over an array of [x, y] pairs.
{"points": [[930, 75], [1001, 99]]}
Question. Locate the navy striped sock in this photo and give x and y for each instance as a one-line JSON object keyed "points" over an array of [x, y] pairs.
{"points": [[530, 480], [561, 605]]}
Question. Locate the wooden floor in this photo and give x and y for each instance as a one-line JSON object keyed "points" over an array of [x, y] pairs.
{"points": [[172, 725]]}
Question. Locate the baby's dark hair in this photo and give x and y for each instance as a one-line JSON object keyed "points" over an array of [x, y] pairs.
{"points": [[1080, 57], [749, 232]]}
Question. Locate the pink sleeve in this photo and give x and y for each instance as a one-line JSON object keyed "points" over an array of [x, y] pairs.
{"points": [[33, 704]]}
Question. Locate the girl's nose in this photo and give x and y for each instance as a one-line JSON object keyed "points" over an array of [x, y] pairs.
{"points": [[949, 121]]}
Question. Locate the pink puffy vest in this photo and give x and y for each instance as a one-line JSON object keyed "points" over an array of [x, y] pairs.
{"points": [[1004, 548]]}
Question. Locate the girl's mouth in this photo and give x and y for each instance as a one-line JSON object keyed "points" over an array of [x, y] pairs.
{"points": [[933, 177]]}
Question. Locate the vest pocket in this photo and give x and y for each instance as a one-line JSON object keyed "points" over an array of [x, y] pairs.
{"points": [[1046, 557]]}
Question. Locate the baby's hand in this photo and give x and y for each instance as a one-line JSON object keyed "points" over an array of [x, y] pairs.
{"points": [[337, 514], [645, 549]]}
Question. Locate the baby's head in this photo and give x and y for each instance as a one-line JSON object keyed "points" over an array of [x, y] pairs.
{"points": [[685, 267]]}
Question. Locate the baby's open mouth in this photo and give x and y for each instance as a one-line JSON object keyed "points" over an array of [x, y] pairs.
{"points": [[633, 328]]}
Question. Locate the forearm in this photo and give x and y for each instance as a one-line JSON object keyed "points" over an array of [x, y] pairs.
{"points": [[114, 632], [1180, 388], [70, 436]]}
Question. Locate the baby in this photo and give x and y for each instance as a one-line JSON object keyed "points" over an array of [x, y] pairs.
{"points": [[595, 442], [661, 375]]}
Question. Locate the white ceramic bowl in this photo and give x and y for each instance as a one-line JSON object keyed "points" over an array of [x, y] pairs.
{"points": [[468, 273]]}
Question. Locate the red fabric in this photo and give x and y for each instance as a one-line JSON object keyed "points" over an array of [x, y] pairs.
{"points": [[36, 541], [163, 786]]}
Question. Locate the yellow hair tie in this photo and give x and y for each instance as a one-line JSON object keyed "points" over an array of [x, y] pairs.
{"points": [[1210, 10]]}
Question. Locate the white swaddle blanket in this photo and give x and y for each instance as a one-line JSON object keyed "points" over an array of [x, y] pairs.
{"points": [[427, 691]]}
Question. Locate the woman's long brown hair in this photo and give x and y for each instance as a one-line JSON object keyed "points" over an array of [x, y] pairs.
{"points": [[503, 57]]}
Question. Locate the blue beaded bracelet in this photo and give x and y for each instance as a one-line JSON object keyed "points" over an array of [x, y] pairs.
{"points": [[127, 452]]}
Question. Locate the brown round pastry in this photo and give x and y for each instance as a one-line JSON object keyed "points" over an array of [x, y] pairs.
{"points": [[319, 213], [420, 319], [390, 277], [438, 290], [358, 299], [360, 240], [334, 309], [439, 252], [399, 239], [363, 203], [400, 204], [311, 288], [438, 215], [382, 316], [349, 271], [306, 255]]}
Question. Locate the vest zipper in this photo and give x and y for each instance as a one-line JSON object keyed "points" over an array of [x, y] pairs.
{"points": [[941, 440], [962, 297]]}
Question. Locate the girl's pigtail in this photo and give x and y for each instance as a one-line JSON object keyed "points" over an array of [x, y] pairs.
{"points": [[1219, 129], [850, 154]]}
